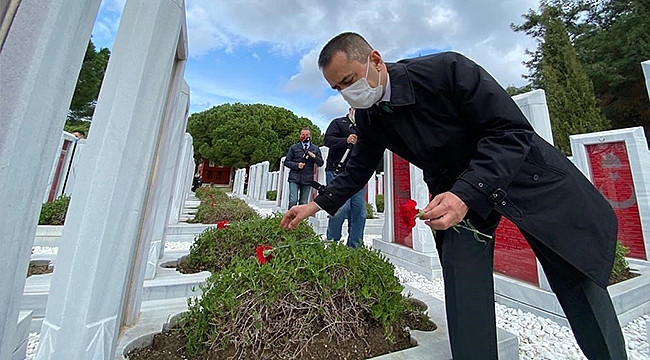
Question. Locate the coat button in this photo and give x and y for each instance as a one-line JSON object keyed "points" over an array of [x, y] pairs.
{"points": [[503, 203], [480, 184], [535, 177]]}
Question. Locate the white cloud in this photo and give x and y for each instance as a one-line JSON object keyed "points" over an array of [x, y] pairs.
{"points": [[334, 107], [478, 28], [309, 78]]}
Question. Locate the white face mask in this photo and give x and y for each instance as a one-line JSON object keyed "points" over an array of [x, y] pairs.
{"points": [[361, 95]]}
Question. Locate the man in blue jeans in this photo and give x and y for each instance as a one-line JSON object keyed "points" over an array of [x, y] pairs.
{"points": [[301, 159], [340, 137]]}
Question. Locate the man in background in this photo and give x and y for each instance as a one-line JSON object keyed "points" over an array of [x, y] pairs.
{"points": [[340, 138], [301, 159]]}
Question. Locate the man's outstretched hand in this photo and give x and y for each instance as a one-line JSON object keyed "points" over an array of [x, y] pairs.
{"points": [[444, 211], [296, 214]]}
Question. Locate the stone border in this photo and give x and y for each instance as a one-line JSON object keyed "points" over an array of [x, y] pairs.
{"points": [[630, 297], [48, 235]]}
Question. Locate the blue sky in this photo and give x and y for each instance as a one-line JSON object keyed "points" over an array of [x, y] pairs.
{"points": [[255, 51]]}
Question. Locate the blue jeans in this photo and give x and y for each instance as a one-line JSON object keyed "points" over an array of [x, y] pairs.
{"points": [[355, 211], [294, 189]]}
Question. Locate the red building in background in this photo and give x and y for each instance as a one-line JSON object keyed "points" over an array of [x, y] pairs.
{"points": [[212, 173]]}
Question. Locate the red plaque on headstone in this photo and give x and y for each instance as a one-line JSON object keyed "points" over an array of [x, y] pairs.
{"points": [[512, 254], [610, 172], [401, 193]]}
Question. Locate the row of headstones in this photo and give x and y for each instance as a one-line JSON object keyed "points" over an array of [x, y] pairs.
{"points": [[261, 180], [133, 172]]}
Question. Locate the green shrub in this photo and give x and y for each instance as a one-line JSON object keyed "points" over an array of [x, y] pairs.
{"points": [[53, 213], [308, 289], [223, 209], [272, 195], [215, 249], [380, 203], [370, 214], [621, 266], [203, 193]]}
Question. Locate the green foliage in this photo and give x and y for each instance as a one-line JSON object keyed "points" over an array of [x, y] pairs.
{"points": [[240, 135], [53, 213], [572, 105], [203, 193], [611, 40], [513, 90], [613, 43], [621, 265], [379, 201], [272, 195], [89, 82], [306, 289], [370, 214], [77, 125], [215, 249], [220, 207]]}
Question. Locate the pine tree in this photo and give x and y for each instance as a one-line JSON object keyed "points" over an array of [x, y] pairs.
{"points": [[89, 82], [572, 105]]}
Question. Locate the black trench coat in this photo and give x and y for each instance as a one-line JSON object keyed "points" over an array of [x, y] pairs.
{"points": [[450, 118]]}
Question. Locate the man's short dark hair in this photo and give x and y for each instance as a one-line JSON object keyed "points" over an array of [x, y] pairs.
{"points": [[305, 128], [352, 44]]}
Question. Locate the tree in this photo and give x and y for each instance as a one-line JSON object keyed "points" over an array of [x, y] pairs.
{"points": [[89, 82], [614, 44], [244, 134], [611, 40], [513, 90], [573, 107]]}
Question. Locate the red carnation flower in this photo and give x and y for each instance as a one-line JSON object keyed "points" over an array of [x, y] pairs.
{"points": [[409, 212], [211, 196], [222, 224], [264, 253], [212, 203]]}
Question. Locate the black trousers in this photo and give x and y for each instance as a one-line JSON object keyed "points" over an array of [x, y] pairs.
{"points": [[467, 266]]}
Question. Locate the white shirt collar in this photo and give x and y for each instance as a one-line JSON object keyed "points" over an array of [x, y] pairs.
{"points": [[386, 96]]}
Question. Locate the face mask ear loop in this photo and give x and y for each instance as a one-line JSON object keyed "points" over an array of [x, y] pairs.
{"points": [[367, 67]]}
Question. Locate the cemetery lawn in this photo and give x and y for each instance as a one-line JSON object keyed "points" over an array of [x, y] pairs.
{"points": [[170, 345], [279, 294]]}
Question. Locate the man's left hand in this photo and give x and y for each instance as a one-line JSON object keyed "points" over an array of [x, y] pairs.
{"points": [[444, 211], [311, 154]]}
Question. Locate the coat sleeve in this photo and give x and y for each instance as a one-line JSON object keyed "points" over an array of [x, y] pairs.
{"points": [[319, 157], [361, 164], [290, 160], [503, 134], [334, 138]]}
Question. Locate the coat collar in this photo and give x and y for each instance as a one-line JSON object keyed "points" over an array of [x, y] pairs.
{"points": [[401, 89]]}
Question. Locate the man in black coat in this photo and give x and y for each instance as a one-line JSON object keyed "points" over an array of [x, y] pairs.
{"points": [[481, 160], [301, 159], [340, 137]]}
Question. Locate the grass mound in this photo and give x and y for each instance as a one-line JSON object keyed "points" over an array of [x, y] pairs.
{"points": [[309, 291]]}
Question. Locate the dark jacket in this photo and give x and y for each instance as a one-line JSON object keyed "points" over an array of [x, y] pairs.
{"points": [[452, 119], [336, 139], [296, 155]]}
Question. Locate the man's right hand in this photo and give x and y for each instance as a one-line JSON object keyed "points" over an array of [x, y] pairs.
{"points": [[296, 214], [301, 165], [352, 139]]}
